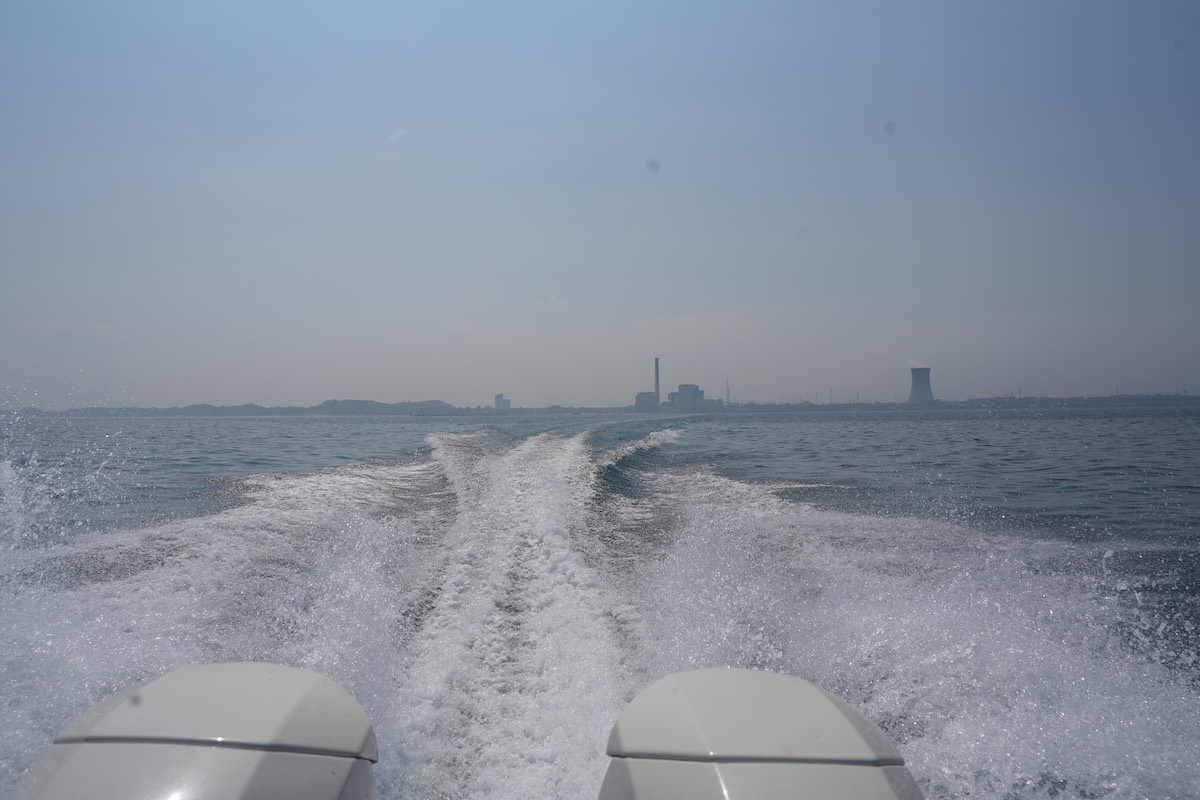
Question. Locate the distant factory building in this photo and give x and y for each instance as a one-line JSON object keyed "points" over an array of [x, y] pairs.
{"points": [[503, 404], [921, 391], [645, 401], [689, 398]]}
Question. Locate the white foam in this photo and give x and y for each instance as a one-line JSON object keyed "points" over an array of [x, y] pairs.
{"points": [[510, 689], [472, 604], [994, 674]]}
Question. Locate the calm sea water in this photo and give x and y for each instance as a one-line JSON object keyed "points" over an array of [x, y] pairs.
{"points": [[1015, 597]]}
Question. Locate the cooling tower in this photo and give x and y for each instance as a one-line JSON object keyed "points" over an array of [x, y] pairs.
{"points": [[921, 392]]}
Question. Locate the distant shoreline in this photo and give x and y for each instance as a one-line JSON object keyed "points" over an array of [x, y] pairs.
{"points": [[438, 408]]}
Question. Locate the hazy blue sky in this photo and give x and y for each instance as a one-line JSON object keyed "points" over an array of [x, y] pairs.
{"points": [[287, 202]]}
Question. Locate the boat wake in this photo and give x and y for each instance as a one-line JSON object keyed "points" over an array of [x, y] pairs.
{"points": [[494, 602]]}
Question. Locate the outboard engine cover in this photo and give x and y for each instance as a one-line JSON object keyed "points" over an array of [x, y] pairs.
{"points": [[214, 731], [736, 734]]}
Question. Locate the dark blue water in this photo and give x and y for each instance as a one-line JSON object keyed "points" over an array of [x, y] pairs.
{"points": [[1014, 596]]}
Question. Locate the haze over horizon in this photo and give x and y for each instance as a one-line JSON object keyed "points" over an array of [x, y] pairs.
{"points": [[286, 203]]}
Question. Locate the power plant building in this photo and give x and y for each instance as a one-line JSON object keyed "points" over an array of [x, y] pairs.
{"points": [[646, 401], [921, 391], [689, 398]]}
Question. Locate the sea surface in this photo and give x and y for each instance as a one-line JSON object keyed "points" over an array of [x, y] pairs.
{"points": [[1013, 596]]}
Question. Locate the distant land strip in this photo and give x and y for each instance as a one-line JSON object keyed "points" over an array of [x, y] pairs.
{"points": [[439, 408]]}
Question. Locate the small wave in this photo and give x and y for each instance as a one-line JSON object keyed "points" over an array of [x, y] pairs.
{"points": [[616, 469], [651, 441], [780, 486]]}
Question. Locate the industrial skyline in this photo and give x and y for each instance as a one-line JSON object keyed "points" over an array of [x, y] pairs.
{"points": [[276, 203], [690, 397], [687, 398]]}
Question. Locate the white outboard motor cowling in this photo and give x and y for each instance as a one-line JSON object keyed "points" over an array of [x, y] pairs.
{"points": [[737, 734], [265, 731], [225, 731]]}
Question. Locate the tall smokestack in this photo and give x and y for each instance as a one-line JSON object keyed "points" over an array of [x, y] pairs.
{"points": [[657, 396], [921, 391]]}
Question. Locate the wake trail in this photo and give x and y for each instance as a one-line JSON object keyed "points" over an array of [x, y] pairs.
{"points": [[509, 685]]}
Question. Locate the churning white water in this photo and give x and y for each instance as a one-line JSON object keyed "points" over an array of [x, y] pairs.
{"points": [[495, 601]]}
